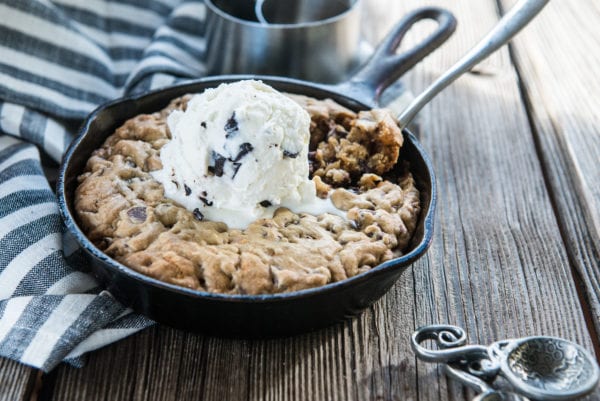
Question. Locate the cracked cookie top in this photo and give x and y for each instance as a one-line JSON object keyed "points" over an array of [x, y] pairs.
{"points": [[124, 212]]}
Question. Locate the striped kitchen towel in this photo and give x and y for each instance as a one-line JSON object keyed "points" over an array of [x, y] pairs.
{"points": [[60, 59]]}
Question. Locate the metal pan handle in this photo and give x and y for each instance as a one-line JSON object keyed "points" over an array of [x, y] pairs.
{"points": [[385, 65]]}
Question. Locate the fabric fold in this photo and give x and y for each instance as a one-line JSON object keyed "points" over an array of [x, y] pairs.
{"points": [[58, 62]]}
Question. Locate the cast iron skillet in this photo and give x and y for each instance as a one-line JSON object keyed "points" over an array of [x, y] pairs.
{"points": [[261, 315]]}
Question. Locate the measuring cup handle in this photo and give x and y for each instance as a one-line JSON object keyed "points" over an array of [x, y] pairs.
{"points": [[385, 66]]}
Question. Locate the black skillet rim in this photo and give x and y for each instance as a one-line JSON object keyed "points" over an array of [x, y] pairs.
{"points": [[72, 226]]}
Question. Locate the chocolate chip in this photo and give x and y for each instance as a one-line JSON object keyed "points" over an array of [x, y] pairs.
{"points": [[203, 124], [175, 183], [291, 155], [245, 148], [205, 201], [137, 214], [217, 169], [265, 203], [231, 126], [364, 166], [312, 155], [236, 167], [187, 189], [198, 215], [219, 164]]}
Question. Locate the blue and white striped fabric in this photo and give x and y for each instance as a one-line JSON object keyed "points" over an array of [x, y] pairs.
{"points": [[59, 60]]}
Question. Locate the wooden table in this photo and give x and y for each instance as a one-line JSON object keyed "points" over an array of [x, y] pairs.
{"points": [[516, 149]]}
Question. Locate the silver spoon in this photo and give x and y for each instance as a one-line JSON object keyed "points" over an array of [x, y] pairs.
{"points": [[543, 368], [511, 23]]}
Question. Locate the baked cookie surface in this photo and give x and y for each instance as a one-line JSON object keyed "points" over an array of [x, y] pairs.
{"points": [[123, 210]]}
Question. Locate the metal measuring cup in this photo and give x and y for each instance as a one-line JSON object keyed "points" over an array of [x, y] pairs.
{"points": [[541, 367], [312, 40], [296, 43]]}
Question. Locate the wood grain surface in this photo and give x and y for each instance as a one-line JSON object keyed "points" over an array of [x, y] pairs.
{"points": [[515, 147], [558, 60], [17, 382]]}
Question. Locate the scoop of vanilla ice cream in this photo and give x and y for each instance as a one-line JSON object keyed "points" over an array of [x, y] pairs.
{"points": [[237, 153]]}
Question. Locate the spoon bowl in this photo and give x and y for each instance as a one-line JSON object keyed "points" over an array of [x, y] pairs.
{"points": [[547, 367]]}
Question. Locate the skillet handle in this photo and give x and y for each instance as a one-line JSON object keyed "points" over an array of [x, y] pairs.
{"points": [[385, 66]]}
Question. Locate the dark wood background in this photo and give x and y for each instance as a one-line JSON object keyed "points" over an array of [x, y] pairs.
{"points": [[516, 149]]}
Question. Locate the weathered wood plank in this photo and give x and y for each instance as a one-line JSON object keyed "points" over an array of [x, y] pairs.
{"points": [[17, 382], [497, 226], [159, 363], [558, 58], [507, 273], [498, 267]]}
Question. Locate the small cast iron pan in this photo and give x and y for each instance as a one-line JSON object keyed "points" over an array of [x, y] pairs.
{"points": [[261, 315]]}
